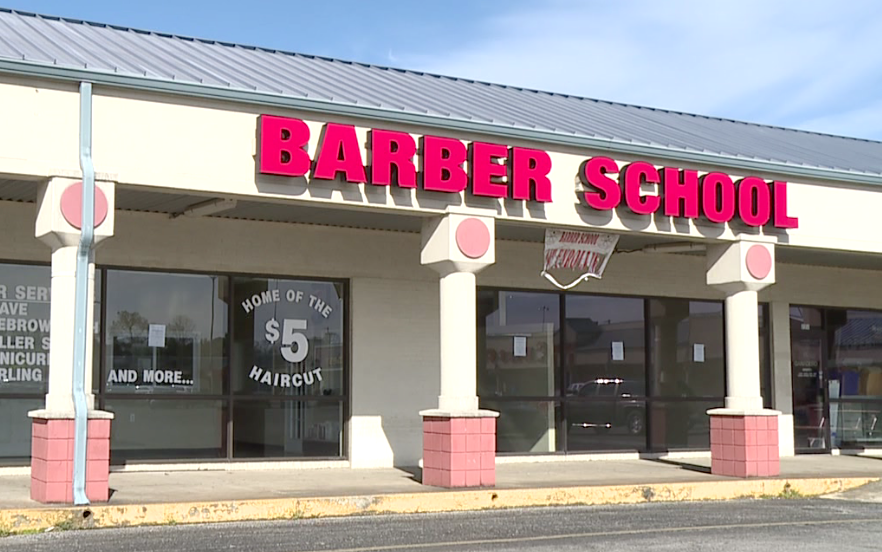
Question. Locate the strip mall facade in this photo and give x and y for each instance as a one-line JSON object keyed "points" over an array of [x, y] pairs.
{"points": [[267, 281]]}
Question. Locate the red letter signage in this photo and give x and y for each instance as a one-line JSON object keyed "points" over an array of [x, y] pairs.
{"points": [[633, 178], [339, 152], [683, 194], [391, 154], [717, 197], [282, 146], [486, 171], [781, 219], [680, 192], [499, 171], [754, 201], [529, 171], [603, 193], [442, 160]]}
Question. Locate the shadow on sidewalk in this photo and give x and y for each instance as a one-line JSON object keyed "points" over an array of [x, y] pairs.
{"points": [[682, 464], [413, 472]]}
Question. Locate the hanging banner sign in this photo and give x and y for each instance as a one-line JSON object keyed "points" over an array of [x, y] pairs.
{"points": [[584, 252]]}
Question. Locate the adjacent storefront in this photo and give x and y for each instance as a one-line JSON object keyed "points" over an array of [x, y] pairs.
{"points": [[837, 378]]}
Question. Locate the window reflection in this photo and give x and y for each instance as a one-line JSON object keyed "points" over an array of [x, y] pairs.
{"points": [[525, 426], [854, 377], [24, 329], [166, 333], [285, 428], [680, 424], [604, 339], [288, 337], [635, 373], [517, 333], [688, 357], [145, 429]]}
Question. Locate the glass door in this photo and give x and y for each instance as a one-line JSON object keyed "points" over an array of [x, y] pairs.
{"points": [[810, 411]]}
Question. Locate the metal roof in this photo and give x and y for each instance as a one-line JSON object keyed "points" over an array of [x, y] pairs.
{"points": [[30, 42]]}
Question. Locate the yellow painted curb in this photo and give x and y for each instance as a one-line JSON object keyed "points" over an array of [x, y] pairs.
{"points": [[18, 521]]}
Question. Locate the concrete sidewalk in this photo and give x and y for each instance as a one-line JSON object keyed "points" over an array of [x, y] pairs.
{"points": [[207, 496]]}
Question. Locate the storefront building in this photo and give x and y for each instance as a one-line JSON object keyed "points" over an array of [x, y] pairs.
{"points": [[300, 255]]}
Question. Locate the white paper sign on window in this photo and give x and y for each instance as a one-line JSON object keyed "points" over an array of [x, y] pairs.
{"points": [[156, 335], [698, 352], [618, 350], [520, 346]]}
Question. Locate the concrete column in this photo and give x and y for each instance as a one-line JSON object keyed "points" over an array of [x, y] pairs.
{"points": [[458, 342], [744, 436], [459, 439], [59, 211], [742, 352], [61, 361]]}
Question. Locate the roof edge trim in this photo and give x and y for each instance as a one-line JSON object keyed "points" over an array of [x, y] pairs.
{"points": [[29, 69]]}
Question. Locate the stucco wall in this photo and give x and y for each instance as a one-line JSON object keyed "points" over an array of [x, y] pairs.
{"points": [[209, 147], [394, 300]]}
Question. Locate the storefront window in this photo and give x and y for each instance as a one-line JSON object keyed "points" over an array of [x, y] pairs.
{"points": [[688, 357], [525, 426], [15, 428], [166, 427], [288, 345], [807, 345], [634, 374], [836, 357], [24, 329], [680, 424], [605, 371], [287, 337], [765, 354], [854, 377], [518, 365], [285, 428], [24, 354], [165, 333], [517, 333]]}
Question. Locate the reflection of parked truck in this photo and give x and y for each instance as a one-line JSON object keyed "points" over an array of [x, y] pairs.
{"points": [[607, 403]]}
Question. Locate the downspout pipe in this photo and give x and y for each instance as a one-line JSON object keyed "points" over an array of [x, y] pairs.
{"points": [[81, 306]]}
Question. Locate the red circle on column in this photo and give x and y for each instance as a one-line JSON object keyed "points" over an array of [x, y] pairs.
{"points": [[72, 205], [473, 238], [759, 261]]}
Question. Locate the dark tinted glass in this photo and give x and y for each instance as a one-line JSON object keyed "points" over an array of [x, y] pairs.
{"points": [[287, 337], [166, 333], [517, 336], [146, 429], [15, 429], [687, 353], [764, 353], [24, 329], [680, 425], [525, 426], [286, 428], [854, 368], [606, 417], [604, 339]]}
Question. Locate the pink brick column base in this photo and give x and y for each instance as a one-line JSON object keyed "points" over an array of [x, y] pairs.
{"points": [[52, 454], [744, 446], [459, 452]]}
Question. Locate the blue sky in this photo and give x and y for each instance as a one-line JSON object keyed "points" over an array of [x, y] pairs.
{"points": [[810, 64]]}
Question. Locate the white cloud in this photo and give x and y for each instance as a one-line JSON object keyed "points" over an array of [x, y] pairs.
{"points": [[802, 63]]}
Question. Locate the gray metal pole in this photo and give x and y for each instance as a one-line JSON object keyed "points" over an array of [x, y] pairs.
{"points": [[81, 313]]}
